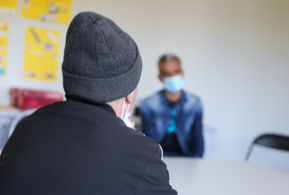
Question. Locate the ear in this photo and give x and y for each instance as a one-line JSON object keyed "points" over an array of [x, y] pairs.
{"points": [[129, 98]]}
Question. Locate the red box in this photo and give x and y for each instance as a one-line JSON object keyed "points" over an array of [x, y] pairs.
{"points": [[14, 94], [27, 99]]}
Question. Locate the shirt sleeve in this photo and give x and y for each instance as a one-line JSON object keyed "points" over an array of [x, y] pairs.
{"points": [[197, 140], [155, 179]]}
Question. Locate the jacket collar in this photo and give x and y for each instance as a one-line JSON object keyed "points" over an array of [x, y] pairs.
{"points": [[101, 105]]}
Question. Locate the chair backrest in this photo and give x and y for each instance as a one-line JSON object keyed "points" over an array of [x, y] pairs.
{"points": [[19, 118], [270, 140]]}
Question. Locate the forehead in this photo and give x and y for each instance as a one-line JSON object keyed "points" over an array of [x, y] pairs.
{"points": [[170, 65]]}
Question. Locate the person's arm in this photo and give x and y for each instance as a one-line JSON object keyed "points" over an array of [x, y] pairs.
{"points": [[197, 139], [155, 179]]}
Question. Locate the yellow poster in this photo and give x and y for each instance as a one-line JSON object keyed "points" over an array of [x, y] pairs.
{"points": [[8, 7], [55, 11], [3, 46], [41, 54]]}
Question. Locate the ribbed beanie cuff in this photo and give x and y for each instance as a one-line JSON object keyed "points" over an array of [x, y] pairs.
{"points": [[103, 90]]}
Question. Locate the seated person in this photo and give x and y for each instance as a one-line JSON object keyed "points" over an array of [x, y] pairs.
{"points": [[173, 117], [87, 144]]}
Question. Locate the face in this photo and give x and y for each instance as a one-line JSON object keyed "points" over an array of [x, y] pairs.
{"points": [[169, 69]]}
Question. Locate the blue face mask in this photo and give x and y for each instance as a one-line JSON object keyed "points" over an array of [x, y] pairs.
{"points": [[174, 84]]}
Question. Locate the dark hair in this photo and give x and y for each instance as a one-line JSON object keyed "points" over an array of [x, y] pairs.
{"points": [[168, 57]]}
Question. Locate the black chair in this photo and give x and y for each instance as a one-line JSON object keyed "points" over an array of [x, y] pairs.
{"points": [[270, 140]]}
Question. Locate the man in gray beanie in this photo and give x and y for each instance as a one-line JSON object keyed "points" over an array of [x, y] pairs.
{"points": [[87, 144]]}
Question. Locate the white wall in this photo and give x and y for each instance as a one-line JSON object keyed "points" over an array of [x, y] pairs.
{"points": [[235, 55]]}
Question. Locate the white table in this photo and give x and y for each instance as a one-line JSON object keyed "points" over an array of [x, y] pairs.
{"points": [[204, 177]]}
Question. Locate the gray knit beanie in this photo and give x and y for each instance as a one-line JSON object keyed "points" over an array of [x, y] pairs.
{"points": [[101, 62]]}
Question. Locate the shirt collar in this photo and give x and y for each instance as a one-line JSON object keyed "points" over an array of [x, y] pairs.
{"points": [[165, 99]]}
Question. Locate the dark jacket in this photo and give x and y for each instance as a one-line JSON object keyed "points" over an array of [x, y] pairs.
{"points": [[80, 147], [156, 115]]}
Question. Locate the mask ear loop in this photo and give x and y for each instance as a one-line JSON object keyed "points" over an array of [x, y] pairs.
{"points": [[127, 110], [122, 108]]}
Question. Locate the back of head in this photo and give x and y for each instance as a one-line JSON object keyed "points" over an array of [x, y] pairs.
{"points": [[101, 62]]}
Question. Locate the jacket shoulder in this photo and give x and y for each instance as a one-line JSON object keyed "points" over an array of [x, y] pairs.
{"points": [[192, 98], [152, 101]]}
